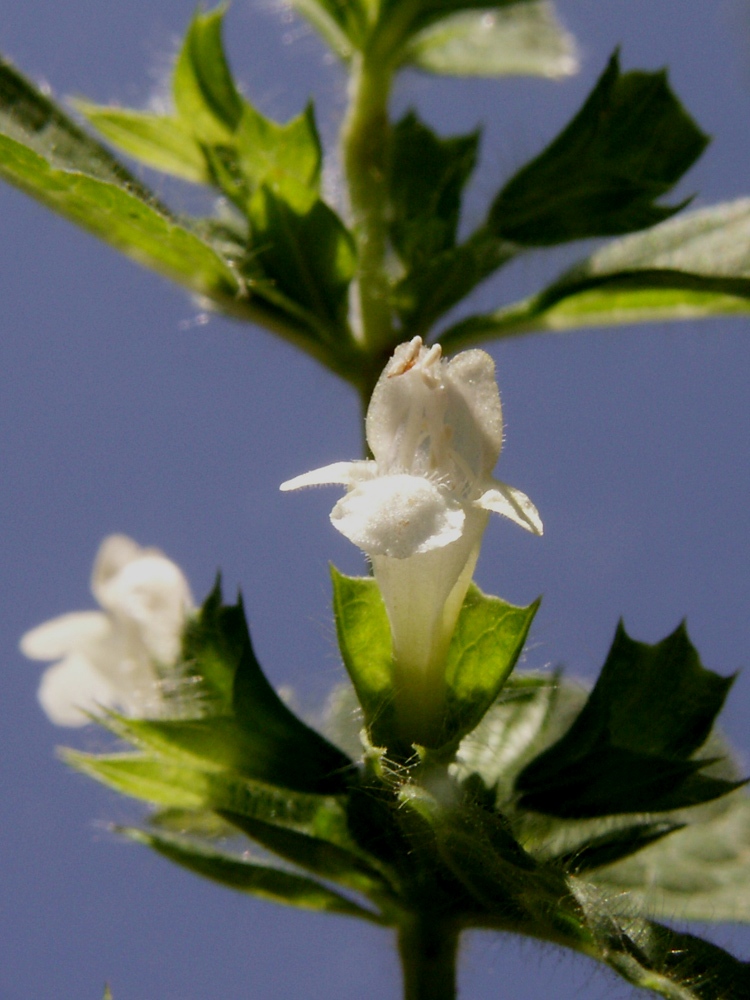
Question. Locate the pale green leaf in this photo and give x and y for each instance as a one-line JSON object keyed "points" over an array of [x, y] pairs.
{"points": [[695, 265], [162, 142], [484, 649], [525, 39]]}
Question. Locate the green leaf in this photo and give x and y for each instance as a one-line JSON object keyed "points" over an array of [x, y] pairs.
{"points": [[143, 231], [160, 141], [675, 965], [342, 23], [437, 284], [309, 254], [364, 636], [284, 158], [485, 647], [524, 39], [699, 873], [269, 883], [321, 857], [204, 92], [245, 729], [628, 145], [693, 266], [613, 846], [631, 748], [427, 177]]}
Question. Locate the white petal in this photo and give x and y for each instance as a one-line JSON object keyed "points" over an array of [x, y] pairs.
{"points": [[71, 688], [339, 473], [398, 516], [115, 552], [65, 634], [151, 593], [477, 421], [512, 503]]}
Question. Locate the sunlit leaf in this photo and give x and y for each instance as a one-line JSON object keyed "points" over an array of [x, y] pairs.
{"points": [[523, 39], [485, 647]]}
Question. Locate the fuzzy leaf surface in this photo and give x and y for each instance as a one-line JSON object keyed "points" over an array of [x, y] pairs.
{"points": [[693, 266], [628, 145], [524, 39]]}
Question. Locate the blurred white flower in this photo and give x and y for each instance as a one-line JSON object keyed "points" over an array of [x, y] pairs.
{"points": [[420, 507], [114, 658]]}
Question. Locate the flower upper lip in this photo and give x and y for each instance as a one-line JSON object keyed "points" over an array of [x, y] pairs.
{"points": [[435, 430]]}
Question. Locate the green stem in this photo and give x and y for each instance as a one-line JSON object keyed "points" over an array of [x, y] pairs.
{"points": [[428, 948], [365, 150]]}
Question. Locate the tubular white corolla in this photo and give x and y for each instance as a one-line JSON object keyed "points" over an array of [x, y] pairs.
{"points": [[420, 507], [114, 658]]}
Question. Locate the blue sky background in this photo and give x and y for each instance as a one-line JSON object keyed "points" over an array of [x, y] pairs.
{"points": [[123, 409]]}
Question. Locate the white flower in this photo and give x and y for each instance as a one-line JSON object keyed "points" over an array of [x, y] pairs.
{"points": [[420, 507], [114, 658]]}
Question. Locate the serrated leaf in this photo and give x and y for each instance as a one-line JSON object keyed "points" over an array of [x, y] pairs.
{"points": [[631, 748], [162, 142], [284, 158], [485, 647], [269, 883], [364, 637], [628, 145], [426, 179], [245, 730], [532, 712], [524, 39], [695, 265], [204, 92]]}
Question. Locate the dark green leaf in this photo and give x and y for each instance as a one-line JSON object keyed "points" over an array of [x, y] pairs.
{"points": [[364, 637], [309, 255], [437, 284], [204, 92], [615, 845], [427, 177], [522, 39], [160, 141], [485, 647], [321, 857], [270, 883], [628, 145], [631, 748]]}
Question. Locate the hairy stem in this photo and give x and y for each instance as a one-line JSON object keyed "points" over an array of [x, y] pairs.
{"points": [[365, 151]]}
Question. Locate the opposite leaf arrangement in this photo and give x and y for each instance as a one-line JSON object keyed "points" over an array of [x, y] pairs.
{"points": [[450, 792]]}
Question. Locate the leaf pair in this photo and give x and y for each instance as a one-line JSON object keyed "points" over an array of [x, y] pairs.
{"points": [[487, 642]]}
